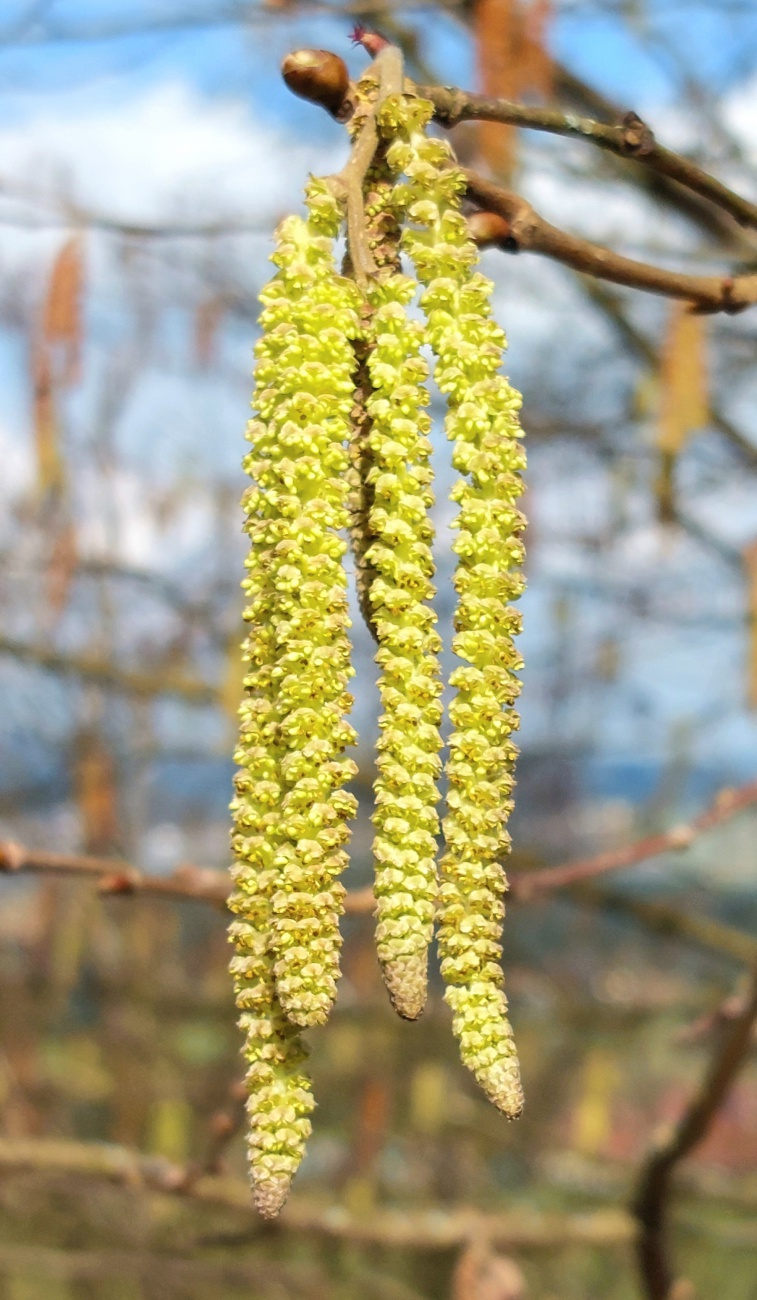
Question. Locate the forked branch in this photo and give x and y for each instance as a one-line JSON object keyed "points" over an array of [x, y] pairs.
{"points": [[651, 1201], [523, 228], [520, 226], [630, 138]]}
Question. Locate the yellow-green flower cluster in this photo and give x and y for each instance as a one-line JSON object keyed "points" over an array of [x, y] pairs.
{"points": [[291, 810], [482, 422], [279, 1098], [391, 537], [406, 794], [340, 440]]}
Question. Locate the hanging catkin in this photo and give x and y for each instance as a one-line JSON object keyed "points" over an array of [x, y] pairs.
{"points": [[340, 442], [483, 425], [399, 479], [291, 810], [391, 537]]}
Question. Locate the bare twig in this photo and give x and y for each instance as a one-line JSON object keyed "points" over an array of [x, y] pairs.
{"points": [[716, 223], [166, 1275], [116, 876], [526, 229], [612, 307], [726, 805], [631, 138], [409, 1229], [651, 1200], [223, 1127], [672, 922], [387, 69], [106, 673]]}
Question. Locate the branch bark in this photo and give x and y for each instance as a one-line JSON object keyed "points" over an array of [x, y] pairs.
{"points": [[631, 138], [526, 229], [401, 1228], [651, 1200], [727, 804], [117, 876]]}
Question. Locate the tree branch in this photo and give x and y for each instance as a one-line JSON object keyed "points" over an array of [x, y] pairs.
{"points": [[387, 69], [401, 1228], [632, 138], [525, 229], [650, 1203], [727, 804], [116, 876], [713, 221], [612, 307], [107, 673], [670, 921]]}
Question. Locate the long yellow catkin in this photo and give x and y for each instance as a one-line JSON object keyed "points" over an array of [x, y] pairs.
{"points": [[406, 795], [290, 810], [341, 438], [391, 536], [482, 423]]}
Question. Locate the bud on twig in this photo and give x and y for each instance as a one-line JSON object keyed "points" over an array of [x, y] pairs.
{"points": [[317, 75], [489, 228]]}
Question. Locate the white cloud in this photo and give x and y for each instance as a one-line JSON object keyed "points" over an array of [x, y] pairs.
{"points": [[166, 152]]}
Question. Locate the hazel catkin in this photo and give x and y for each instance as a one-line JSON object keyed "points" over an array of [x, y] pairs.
{"points": [[483, 425], [291, 810]]}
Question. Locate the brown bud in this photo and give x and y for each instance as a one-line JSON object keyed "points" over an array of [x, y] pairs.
{"points": [[117, 882], [317, 75], [487, 228], [222, 1124]]}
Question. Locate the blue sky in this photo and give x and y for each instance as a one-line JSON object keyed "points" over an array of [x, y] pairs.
{"points": [[224, 57], [188, 125]]}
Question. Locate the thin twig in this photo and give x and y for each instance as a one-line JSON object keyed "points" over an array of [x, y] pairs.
{"points": [[631, 138], [672, 922], [387, 69], [111, 675], [727, 804], [135, 1269], [651, 1200], [526, 229], [223, 1127], [612, 307], [402, 1228], [117, 876]]}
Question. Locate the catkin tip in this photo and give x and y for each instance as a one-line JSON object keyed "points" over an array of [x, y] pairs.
{"points": [[406, 981], [503, 1087], [270, 1194]]}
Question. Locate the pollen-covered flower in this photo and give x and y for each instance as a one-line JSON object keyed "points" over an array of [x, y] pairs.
{"points": [[297, 589], [482, 423], [291, 810], [406, 794], [391, 537], [279, 1097]]}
